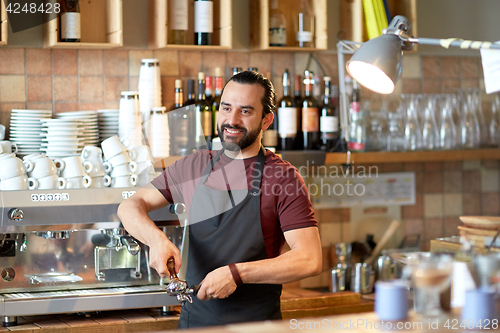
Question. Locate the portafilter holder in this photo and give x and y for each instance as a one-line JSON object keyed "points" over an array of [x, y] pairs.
{"points": [[179, 288]]}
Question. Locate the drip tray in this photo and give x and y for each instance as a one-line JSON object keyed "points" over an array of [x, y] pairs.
{"points": [[84, 300]]}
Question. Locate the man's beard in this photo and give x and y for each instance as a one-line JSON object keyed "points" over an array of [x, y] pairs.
{"points": [[248, 137]]}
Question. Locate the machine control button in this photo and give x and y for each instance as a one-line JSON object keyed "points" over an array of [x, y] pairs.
{"points": [[16, 214], [8, 274]]}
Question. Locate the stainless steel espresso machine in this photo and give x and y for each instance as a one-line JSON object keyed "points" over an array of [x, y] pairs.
{"points": [[66, 251]]}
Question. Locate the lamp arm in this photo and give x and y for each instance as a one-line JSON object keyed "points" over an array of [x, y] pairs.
{"points": [[454, 42]]}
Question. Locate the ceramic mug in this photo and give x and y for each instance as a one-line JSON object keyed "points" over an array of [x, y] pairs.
{"points": [[42, 166], [124, 181], [100, 182], [123, 170], [47, 183], [15, 183], [78, 182], [7, 147], [112, 146], [12, 166], [73, 166]]}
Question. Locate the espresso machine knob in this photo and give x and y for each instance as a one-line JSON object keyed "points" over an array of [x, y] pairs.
{"points": [[16, 214], [177, 208]]}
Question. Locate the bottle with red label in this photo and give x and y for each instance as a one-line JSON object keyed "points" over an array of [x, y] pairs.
{"points": [[310, 115], [357, 127]]}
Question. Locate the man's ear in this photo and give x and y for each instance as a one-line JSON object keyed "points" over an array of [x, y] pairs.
{"points": [[267, 121]]}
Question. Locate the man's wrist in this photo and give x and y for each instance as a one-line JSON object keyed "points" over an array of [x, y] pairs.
{"points": [[236, 274]]}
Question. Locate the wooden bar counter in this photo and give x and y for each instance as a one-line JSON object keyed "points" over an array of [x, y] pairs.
{"points": [[295, 304]]}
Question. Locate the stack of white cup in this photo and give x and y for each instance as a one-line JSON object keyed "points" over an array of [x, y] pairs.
{"points": [[43, 173], [159, 133], [145, 164], [74, 169], [130, 119], [149, 86], [119, 163], [13, 172], [93, 155]]}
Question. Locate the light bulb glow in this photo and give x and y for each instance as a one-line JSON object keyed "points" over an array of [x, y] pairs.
{"points": [[371, 77]]}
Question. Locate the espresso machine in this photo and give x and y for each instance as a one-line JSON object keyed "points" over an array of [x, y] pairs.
{"points": [[64, 251]]}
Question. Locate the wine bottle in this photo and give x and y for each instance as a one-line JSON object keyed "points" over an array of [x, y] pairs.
{"points": [[208, 89], [191, 96], [304, 25], [178, 94], [70, 21], [357, 127], [203, 22], [236, 70], [310, 115], [329, 120], [203, 116], [216, 101], [287, 117], [297, 98], [277, 25], [179, 122], [177, 21]]}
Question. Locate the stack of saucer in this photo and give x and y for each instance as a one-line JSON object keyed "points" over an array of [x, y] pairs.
{"points": [[90, 127], [60, 137], [25, 129], [108, 123]]}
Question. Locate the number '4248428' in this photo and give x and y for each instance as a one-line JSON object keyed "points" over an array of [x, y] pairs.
{"points": [[33, 8], [464, 324]]}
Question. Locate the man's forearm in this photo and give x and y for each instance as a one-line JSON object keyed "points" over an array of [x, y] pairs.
{"points": [[303, 260], [136, 221]]}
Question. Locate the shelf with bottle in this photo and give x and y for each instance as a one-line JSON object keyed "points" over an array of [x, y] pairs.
{"points": [[166, 31], [101, 27], [4, 27], [264, 12]]}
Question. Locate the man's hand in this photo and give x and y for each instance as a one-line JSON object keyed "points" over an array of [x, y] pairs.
{"points": [[160, 250], [217, 284]]}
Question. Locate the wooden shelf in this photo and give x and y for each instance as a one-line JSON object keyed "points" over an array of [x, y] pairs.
{"points": [[317, 158], [101, 27], [4, 27], [417, 156], [158, 27], [259, 25]]}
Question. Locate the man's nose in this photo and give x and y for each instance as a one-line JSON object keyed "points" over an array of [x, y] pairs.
{"points": [[234, 118]]}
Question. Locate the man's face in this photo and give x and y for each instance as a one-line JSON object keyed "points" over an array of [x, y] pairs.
{"points": [[240, 115]]}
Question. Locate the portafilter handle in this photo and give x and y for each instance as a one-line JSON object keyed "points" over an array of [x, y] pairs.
{"points": [[171, 268]]}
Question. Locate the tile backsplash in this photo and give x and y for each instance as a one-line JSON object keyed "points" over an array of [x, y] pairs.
{"points": [[69, 80]]}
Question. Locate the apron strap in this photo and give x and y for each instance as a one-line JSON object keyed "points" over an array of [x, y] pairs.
{"points": [[258, 173]]}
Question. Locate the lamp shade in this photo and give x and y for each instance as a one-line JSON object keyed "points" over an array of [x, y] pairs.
{"points": [[377, 64]]}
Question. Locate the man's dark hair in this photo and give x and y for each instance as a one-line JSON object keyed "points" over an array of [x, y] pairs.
{"points": [[251, 77]]}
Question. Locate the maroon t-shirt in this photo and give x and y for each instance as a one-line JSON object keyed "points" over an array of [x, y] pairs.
{"points": [[284, 200]]}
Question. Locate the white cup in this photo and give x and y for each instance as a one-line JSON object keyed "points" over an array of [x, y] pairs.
{"points": [[91, 153], [73, 166], [12, 166], [100, 182], [123, 169], [47, 183], [121, 158], [42, 166], [145, 168], [15, 183], [7, 147], [112, 146], [78, 182], [124, 181], [144, 178], [2, 132], [142, 154]]}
